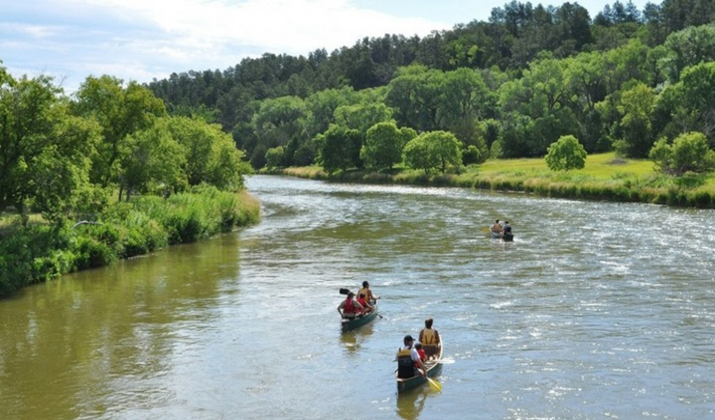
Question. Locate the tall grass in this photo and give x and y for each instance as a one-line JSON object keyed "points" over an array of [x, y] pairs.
{"points": [[42, 252]]}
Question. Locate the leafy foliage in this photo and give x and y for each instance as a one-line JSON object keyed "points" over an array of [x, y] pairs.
{"points": [[688, 153], [435, 149], [566, 154]]}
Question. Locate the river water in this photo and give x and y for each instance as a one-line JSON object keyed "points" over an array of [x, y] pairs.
{"points": [[595, 311]]}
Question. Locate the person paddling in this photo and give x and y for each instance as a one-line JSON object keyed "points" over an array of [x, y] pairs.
{"points": [[349, 308], [369, 296], [430, 339], [497, 227], [408, 360]]}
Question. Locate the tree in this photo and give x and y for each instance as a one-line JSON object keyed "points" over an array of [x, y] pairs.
{"points": [[566, 154], [44, 151], [435, 149], [120, 113], [154, 162], [687, 48], [339, 148], [362, 116], [384, 143], [636, 108], [415, 95], [274, 157], [210, 154], [688, 153]]}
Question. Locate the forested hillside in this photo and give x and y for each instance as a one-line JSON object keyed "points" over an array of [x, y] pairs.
{"points": [[509, 86]]}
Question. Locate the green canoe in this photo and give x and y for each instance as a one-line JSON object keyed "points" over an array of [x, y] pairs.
{"points": [[434, 368], [350, 324]]}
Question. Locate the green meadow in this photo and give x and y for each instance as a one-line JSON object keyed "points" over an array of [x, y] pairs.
{"points": [[604, 177]]}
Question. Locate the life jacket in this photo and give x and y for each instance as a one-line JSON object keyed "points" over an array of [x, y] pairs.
{"points": [[405, 365], [363, 303], [349, 307], [429, 338], [364, 291]]}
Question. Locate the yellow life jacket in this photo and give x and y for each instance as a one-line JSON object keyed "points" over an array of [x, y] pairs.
{"points": [[429, 337], [405, 365], [364, 291], [404, 353]]}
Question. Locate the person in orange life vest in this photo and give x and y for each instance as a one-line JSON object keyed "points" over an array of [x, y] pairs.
{"points": [[421, 352], [430, 339], [409, 363], [362, 301], [349, 308], [369, 296]]}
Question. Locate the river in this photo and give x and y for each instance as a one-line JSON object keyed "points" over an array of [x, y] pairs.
{"points": [[596, 310]]}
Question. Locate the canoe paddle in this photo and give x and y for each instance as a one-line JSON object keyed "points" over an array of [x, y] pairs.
{"points": [[436, 386]]}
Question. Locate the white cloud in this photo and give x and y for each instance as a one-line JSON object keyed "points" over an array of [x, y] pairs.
{"points": [[145, 39]]}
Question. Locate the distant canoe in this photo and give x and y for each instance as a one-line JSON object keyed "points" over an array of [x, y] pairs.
{"points": [[348, 324], [433, 370], [505, 236]]}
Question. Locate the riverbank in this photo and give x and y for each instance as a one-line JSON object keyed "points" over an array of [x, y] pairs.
{"points": [[604, 177], [41, 252]]}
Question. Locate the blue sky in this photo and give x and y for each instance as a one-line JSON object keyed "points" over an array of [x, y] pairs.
{"points": [[146, 39]]}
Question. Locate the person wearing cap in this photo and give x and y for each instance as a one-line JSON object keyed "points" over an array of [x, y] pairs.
{"points": [[430, 339], [349, 308], [408, 360], [369, 296]]}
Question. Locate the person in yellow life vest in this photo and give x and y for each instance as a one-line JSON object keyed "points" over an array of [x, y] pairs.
{"points": [[369, 296], [409, 363], [429, 337], [350, 307]]}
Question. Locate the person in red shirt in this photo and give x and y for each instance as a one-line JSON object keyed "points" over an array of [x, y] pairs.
{"points": [[349, 308], [367, 308], [420, 351]]}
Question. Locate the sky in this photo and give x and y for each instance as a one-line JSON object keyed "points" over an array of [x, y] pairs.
{"points": [[144, 40]]}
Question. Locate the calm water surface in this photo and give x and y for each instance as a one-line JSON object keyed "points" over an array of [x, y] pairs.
{"points": [[595, 311]]}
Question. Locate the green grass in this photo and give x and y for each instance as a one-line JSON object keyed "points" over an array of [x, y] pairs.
{"points": [[604, 177]]}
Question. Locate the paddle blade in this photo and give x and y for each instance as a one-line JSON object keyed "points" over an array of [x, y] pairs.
{"points": [[344, 291], [436, 386]]}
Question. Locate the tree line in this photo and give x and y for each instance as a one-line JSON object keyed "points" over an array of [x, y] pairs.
{"points": [[508, 87], [64, 157]]}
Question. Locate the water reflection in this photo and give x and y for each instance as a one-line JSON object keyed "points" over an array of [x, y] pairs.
{"points": [[411, 403], [79, 341], [352, 340]]}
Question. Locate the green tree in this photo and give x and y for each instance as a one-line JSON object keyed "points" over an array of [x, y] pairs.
{"points": [[686, 48], [688, 153], [636, 108], [384, 143], [44, 151], [362, 116], [210, 154], [120, 111], [566, 154], [154, 162], [415, 95], [339, 148], [435, 149], [275, 156]]}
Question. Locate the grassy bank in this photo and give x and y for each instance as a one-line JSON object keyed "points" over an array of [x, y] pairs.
{"points": [[41, 252], [605, 177]]}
